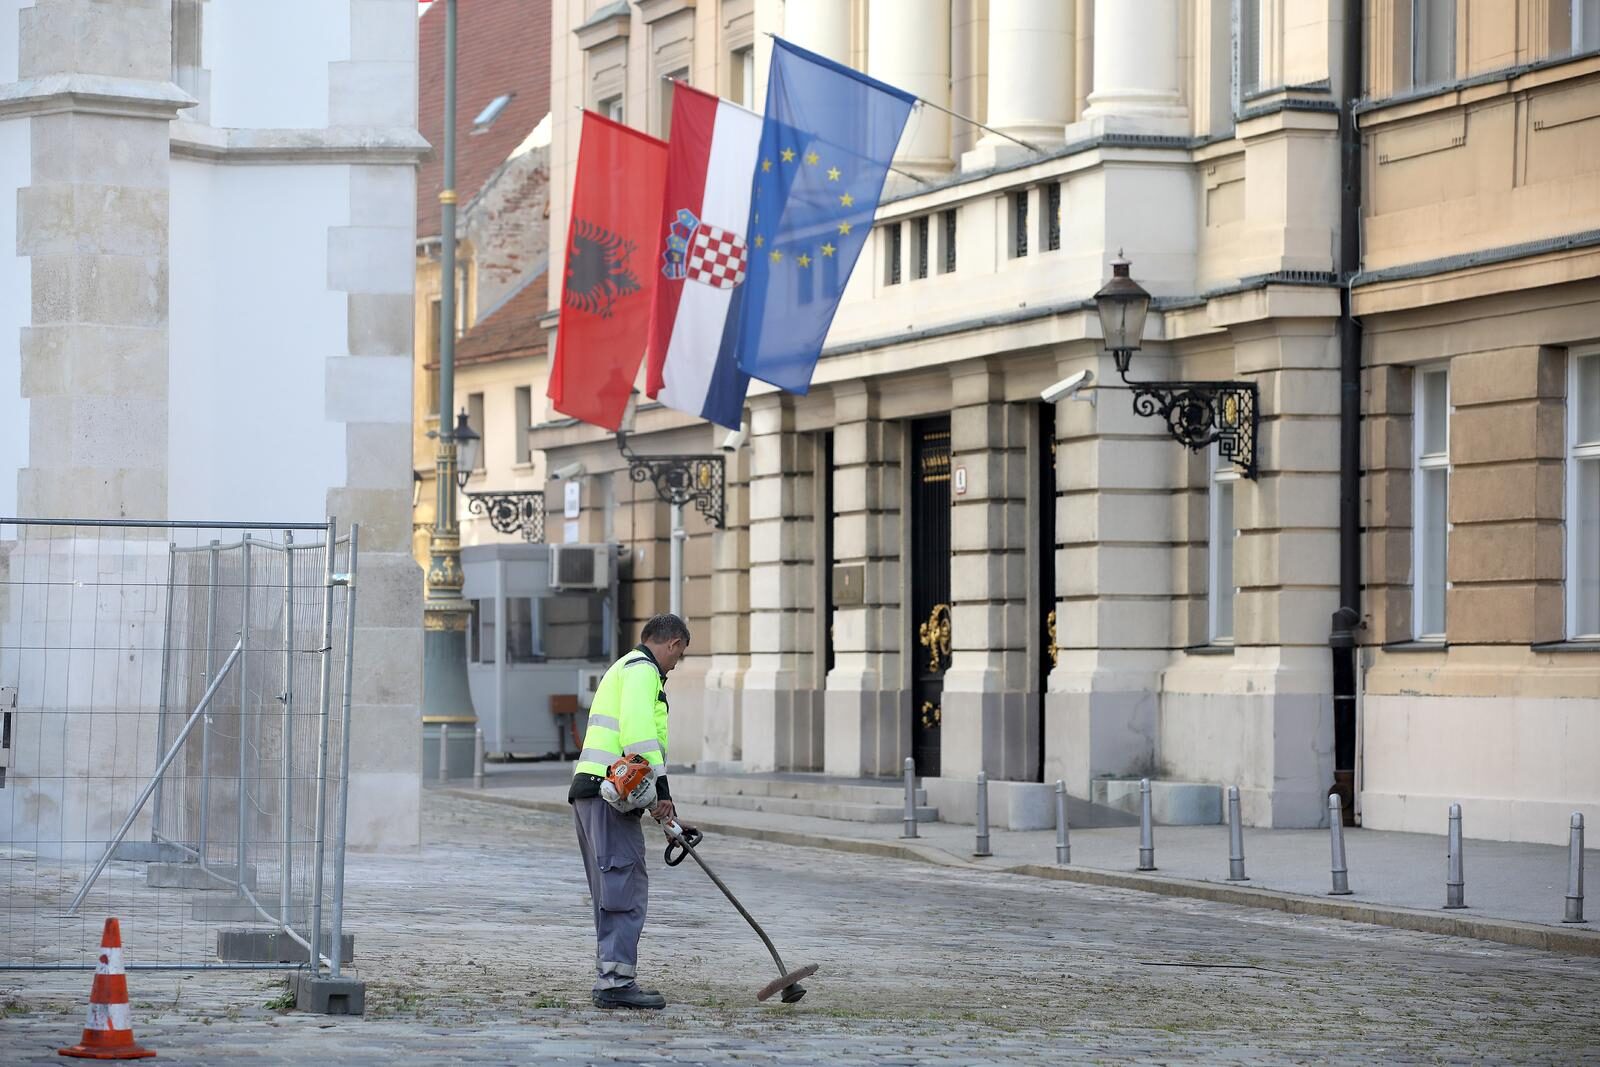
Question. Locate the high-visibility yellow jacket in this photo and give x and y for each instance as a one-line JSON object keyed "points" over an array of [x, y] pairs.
{"points": [[628, 717]]}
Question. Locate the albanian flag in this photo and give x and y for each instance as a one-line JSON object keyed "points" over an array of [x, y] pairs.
{"points": [[609, 281]]}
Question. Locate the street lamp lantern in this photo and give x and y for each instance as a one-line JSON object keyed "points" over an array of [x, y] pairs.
{"points": [[1122, 304], [467, 442]]}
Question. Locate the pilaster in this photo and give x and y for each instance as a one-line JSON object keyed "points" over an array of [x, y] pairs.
{"points": [[730, 620]]}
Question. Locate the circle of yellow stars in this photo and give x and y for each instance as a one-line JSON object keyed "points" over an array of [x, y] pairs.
{"points": [[804, 259]]}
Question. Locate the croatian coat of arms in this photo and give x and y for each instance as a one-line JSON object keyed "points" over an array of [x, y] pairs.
{"points": [[703, 253]]}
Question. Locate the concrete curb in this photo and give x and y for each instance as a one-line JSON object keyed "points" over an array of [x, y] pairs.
{"points": [[1568, 941]]}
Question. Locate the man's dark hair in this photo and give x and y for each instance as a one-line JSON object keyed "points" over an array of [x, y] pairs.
{"points": [[663, 628]]}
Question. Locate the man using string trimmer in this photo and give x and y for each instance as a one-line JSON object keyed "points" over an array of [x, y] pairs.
{"points": [[621, 773]]}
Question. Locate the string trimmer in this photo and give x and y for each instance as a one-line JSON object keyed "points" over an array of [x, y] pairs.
{"points": [[681, 842]]}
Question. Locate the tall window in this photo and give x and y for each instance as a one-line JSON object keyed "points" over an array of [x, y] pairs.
{"points": [[1433, 42], [475, 420], [1019, 223], [950, 241], [523, 453], [669, 85], [1246, 50], [1052, 216], [1583, 496], [1430, 502], [611, 108], [1585, 25], [922, 247], [742, 77], [1219, 549], [891, 254]]}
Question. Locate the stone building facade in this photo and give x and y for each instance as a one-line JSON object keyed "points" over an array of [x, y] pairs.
{"points": [[921, 557], [206, 215]]}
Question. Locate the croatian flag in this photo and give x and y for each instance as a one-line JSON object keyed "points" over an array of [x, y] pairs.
{"points": [[690, 362]]}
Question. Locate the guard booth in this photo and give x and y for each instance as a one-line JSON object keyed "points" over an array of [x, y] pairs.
{"points": [[544, 629]]}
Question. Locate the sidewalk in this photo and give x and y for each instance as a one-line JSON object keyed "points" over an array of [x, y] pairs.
{"points": [[1515, 893]]}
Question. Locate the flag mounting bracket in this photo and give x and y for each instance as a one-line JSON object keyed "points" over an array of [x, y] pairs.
{"points": [[511, 513], [681, 480]]}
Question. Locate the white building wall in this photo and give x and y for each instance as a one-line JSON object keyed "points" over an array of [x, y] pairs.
{"points": [[270, 62], [16, 297]]}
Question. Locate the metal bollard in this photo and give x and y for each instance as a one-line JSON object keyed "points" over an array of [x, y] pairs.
{"points": [[1575, 871], [1063, 844], [477, 758], [1147, 837], [982, 848], [911, 798], [444, 752], [1341, 873], [1455, 880], [1235, 838]]}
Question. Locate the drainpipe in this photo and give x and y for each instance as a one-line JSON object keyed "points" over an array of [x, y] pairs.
{"points": [[1347, 621]]}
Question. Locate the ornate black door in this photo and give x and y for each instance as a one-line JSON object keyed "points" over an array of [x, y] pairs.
{"points": [[930, 587]]}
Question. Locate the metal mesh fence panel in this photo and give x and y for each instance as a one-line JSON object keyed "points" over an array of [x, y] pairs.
{"points": [[174, 701]]}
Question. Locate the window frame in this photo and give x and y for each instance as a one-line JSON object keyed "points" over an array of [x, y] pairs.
{"points": [[1220, 473], [1018, 213], [1577, 454], [611, 107], [949, 228], [742, 78], [893, 241], [522, 448], [1421, 462], [477, 418], [1242, 91], [1576, 12], [921, 236], [1418, 82]]}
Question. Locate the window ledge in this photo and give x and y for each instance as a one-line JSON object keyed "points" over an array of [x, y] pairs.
{"points": [[1415, 646], [1209, 650], [1580, 644]]}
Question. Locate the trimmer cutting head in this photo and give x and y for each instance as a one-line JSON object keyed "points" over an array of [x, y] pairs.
{"points": [[789, 984]]}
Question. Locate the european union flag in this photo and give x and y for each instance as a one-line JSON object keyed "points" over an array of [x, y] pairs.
{"points": [[829, 136]]}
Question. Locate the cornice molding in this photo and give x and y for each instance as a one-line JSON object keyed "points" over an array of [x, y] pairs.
{"points": [[93, 94], [339, 144]]}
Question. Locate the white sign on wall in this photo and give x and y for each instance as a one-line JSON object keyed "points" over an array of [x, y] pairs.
{"points": [[961, 481], [573, 500]]}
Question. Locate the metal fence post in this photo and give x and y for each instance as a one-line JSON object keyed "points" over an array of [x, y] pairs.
{"points": [[336, 949], [288, 729], [1341, 874], [911, 798], [1235, 838], [1063, 843], [1455, 879], [444, 752], [1147, 837], [1574, 912], [982, 848], [157, 824], [244, 701], [325, 683], [477, 757], [205, 723]]}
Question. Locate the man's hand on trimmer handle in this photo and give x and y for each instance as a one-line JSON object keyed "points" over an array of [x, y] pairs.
{"points": [[663, 811]]}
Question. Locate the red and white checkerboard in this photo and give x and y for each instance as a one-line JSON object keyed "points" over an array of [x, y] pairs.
{"points": [[716, 257]]}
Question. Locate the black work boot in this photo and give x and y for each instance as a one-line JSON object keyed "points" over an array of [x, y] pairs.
{"points": [[629, 996]]}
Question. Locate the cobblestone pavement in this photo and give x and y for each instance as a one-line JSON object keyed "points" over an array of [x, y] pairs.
{"points": [[480, 952]]}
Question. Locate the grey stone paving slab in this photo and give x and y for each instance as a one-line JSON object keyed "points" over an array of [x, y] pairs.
{"points": [[478, 951]]}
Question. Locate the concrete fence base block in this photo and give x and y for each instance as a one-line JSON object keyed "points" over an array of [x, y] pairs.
{"points": [[330, 996], [1171, 803], [190, 876], [273, 946]]}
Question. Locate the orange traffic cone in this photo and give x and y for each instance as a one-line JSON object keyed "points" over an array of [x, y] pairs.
{"points": [[108, 1035]]}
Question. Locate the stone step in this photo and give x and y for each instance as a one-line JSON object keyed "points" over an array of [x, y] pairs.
{"points": [[820, 809], [819, 788], [1172, 803], [190, 876]]}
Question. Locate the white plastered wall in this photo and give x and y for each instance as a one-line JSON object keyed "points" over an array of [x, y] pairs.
{"points": [[16, 289]]}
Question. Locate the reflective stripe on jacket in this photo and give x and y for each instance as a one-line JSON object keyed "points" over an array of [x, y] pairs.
{"points": [[628, 716]]}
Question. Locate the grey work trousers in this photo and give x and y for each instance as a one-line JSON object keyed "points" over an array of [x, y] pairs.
{"points": [[613, 859]]}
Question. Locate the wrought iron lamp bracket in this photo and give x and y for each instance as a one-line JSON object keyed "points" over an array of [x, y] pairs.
{"points": [[1198, 414], [682, 480], [511, 513]]}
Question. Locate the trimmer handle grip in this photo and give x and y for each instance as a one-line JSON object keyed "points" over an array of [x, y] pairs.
{"points": [[680, 839]]}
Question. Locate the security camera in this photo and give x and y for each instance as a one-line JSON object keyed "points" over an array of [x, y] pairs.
{"points": [[734, 441], [1067, 388], [569, 471]]}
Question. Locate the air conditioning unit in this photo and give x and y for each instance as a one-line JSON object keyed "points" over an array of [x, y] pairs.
{"points": [[588, 685], [579, 567]]}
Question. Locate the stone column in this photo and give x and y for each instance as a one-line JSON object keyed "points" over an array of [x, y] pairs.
{"points": [[1031, 67], [868, 705], [987, 725], [1136, 68], [729, 643], [1114, 581], [820, 25], [908, 46], [782, 715], [94, 222]]}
